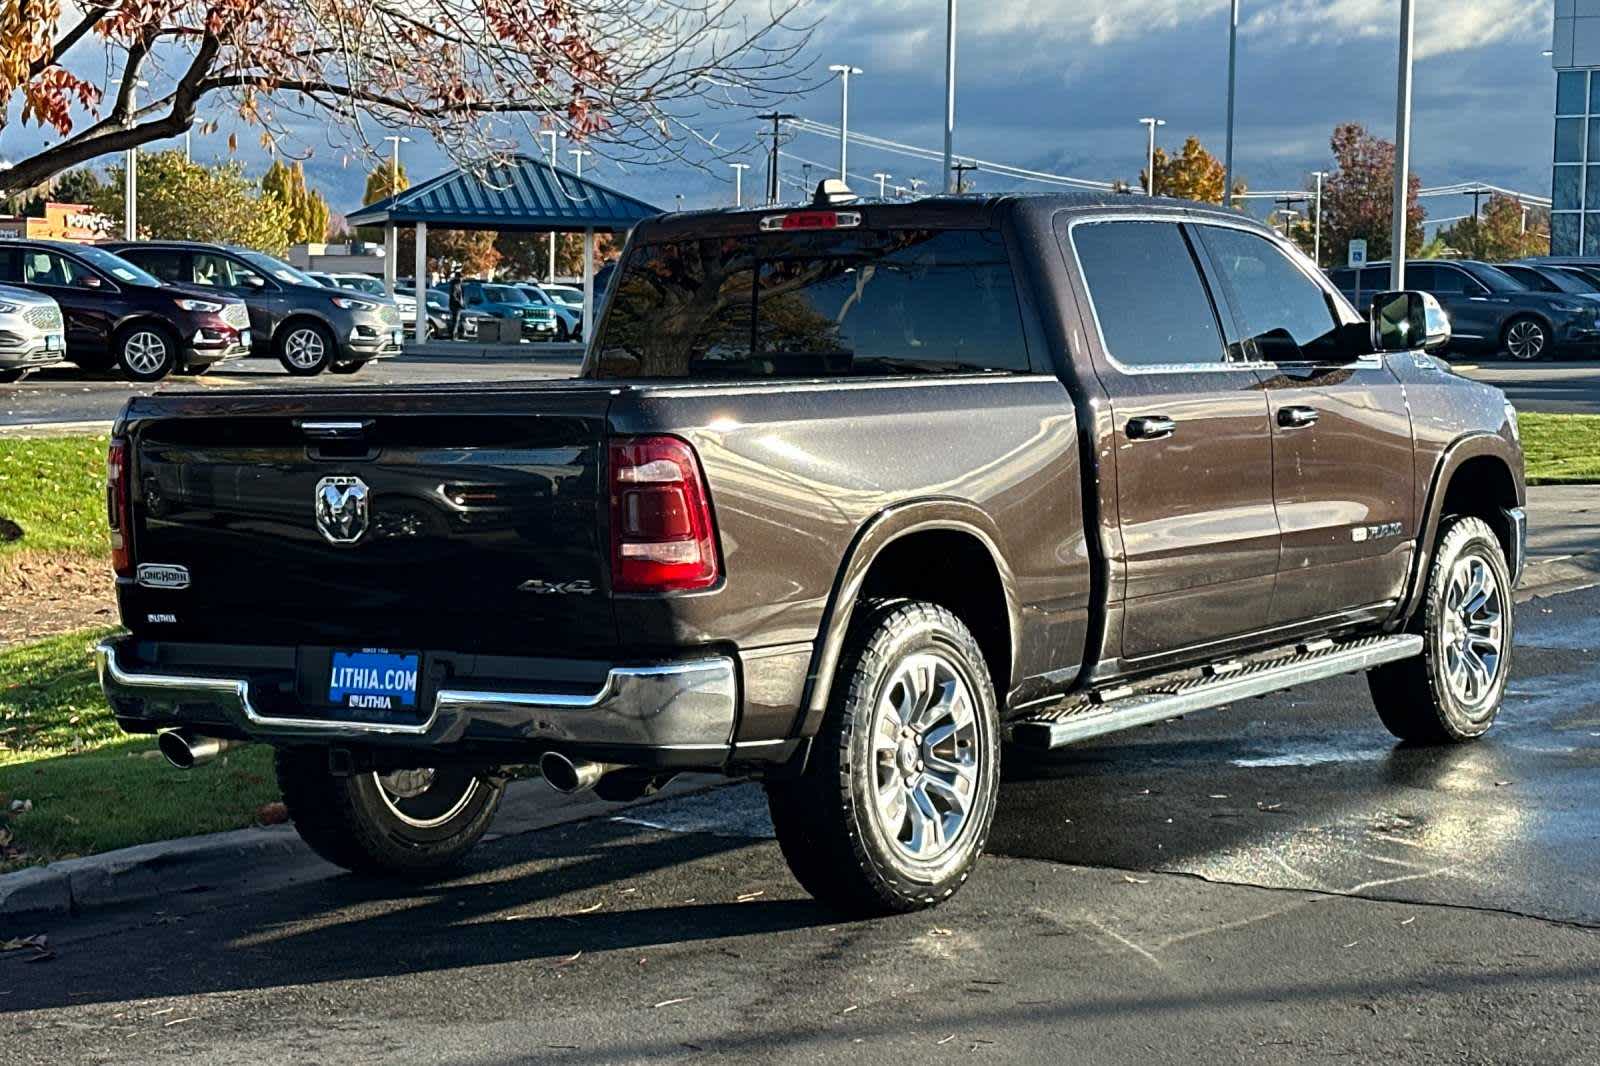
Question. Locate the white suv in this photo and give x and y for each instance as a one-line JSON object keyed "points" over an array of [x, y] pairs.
{"points": [[31, 332]]}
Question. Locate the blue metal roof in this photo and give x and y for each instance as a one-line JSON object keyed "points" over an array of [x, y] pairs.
{"points": [[524, 193]]}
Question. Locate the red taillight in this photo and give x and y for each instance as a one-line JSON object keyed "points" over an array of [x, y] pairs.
{"points": [[117, 507], [811, 220], [662, 538]]}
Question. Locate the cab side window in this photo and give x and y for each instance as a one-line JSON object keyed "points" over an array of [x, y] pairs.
{"points": [[1151, 305], [1285, 315]]}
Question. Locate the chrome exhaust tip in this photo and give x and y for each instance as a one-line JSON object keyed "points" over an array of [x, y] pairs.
{"points": [[186, 750], [572, 775]]}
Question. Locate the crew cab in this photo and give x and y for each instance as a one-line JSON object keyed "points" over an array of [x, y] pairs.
{"points": [[845, 495]]}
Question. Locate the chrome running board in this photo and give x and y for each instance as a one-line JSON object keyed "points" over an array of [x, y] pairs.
{"points": [[1108, 711]]}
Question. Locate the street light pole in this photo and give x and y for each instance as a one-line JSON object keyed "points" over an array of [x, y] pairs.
{"points": [[882, 177], [577, 154], [130, 174], [738, 182], [1150, 171], [550, 157], [844, 70], [1316, 239], [391, 235], [1233, 66], [949, 96], [1402, 149]]}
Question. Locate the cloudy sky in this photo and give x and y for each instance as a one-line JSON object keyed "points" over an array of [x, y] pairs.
{"points": [[1059, 85]]}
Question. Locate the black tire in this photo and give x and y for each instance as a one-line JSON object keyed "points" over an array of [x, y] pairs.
{"points": [[11, 377], [147, 351], [355, 823], [304, 347], [1526, 338], [837, 838], [346, 366], [1439, 697]]}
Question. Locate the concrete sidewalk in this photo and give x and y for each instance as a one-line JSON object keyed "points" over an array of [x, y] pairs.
{"points": [[1563, 539]]}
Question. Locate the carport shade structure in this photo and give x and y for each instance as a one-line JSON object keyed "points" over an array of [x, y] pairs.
{"points": [[521, 195]]}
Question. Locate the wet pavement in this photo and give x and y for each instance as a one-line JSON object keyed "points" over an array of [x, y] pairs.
{"points": [[1276, 882]]}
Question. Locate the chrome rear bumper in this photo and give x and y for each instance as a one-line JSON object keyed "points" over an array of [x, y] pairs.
{"points": [[683, 707]]}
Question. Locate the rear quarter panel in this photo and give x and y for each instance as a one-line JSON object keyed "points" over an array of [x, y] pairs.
{"points": [[799, 471]]}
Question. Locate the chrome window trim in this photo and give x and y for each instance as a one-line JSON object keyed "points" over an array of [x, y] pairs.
{"points": [[1227, 365]]}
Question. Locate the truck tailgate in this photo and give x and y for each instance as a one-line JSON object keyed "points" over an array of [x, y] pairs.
{"points": [[469, 520]]}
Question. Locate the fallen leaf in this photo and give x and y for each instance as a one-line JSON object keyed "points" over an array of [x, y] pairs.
{"points": [[569, 959], [590, 909], [1352, 943], [1409, 920], [272, 814], [1135, 880], [945, 1041], [937, 931], [748, 896], [672, 1002], [850, 1008]]}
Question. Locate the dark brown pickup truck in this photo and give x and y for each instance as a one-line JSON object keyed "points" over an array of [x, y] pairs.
{"points": [[845, 496]]}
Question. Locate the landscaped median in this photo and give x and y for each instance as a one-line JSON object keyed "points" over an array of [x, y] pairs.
{"points": [[72, 784]]}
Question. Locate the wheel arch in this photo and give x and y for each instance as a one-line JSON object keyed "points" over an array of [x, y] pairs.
{"points": [[300, 317], [1478, 475], [902, 551]]}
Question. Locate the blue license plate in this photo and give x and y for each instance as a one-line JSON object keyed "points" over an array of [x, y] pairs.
{"points": [[373, 679]]}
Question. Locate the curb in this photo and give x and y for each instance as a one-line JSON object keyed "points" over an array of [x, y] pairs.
{"points": [[54, 429], [142, 871]]}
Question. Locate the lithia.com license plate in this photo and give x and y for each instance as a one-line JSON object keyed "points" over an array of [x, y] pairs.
{"points": [[373, 679]]}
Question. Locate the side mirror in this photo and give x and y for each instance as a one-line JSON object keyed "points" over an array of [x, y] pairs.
{"points": [[1407, 321]]}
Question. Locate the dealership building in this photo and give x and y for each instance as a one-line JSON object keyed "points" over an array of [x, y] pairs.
{"points": [[1575, 182]]}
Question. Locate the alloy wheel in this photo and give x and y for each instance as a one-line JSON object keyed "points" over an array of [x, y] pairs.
{"points": [[1473, 630], [1525, 340], [304, 348], [925, 757], [144, 352]]}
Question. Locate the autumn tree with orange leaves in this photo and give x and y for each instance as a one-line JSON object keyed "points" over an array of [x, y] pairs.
{"points": [[476, 75]]}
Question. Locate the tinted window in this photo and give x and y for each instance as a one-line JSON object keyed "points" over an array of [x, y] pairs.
{"points": [[823, 303], [276, 268], [114, 265], [1428, 278], [1480, 276], [1346, 280], [1533, 279], [164, 264], [1284, 314], [1147, 293]]}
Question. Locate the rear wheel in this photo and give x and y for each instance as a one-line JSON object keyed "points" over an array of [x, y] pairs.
{"points": [[146, 352], [1453, 690], [411, 823], [305, 348], [895, 807], [1526, 338]]}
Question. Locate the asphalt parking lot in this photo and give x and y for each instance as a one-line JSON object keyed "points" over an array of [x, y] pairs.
{"points": [[1565, 388], [1274, 882]]}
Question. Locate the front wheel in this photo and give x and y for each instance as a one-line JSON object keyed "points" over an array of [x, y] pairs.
{"points": [[896, 805], [1526, 339], [408, 823], [1453, 690], [306, 348], [147, 353]]}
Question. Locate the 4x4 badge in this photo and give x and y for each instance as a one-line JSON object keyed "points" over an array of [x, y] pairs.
{"points": [[342, 509]]}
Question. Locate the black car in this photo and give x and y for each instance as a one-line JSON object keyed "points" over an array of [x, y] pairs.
{"points": [[308, 327], [1490, 311], [117, 314]]}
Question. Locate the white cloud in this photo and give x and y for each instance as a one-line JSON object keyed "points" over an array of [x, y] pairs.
{"points": [[1443, 27]]}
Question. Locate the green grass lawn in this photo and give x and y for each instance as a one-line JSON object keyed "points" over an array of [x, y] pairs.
{"points": [[54, 489], [1561, 448], [92, 787]]}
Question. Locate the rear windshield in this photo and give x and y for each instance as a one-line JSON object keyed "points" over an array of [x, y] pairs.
{"points": [[815, 304]]}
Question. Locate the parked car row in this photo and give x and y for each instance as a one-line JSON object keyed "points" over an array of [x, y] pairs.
{"points": [[1531, 309]]}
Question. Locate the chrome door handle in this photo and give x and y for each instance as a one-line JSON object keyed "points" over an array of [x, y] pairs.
{"points": [[1297, 417], [1151, 427]]}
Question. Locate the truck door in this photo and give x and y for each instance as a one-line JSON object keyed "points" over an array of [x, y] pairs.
{"points": [[1193, 452], [1342, 453]]}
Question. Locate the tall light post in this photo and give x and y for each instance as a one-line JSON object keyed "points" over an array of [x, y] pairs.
{"points": [[738, 182], [882, 178], [130, 173], [391, 235], [1316, 236], [844, 70], [1150, 171], [550, 157], [577, 155], [1233, 66], [1402, 149], [949, 95]]}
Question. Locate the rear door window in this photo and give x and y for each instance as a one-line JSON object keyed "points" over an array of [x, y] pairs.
{"points": [[1149, 300], [165, 263], [1284, 314], [821, 303]]}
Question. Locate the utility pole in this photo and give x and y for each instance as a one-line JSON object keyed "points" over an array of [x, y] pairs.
{"points": [[130, 173], [1402, 149], [949, 95], [550, 157], [391, 234], [1316, 238], [960, 170], [844, 70], [1150, 172], [774, 117], [738, 182], [882, 177], [1233, 67]]}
